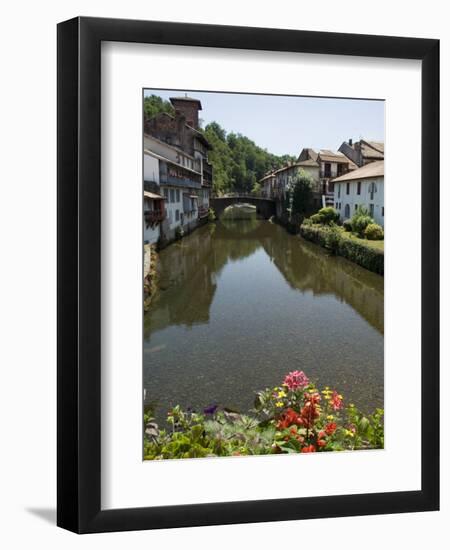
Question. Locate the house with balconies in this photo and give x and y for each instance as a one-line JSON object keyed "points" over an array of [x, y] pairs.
{"points": [[183, 133], [177, 178], [331, 165]]}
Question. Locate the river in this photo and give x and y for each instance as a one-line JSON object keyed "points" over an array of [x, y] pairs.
{"points": [[242, 302]]}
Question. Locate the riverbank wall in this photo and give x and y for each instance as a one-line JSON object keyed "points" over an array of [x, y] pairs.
{"points": [[366, 256], [150, 273], [171, 235]]}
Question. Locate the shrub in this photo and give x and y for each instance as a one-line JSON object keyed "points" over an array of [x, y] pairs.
{"points": [[329, 215], [374, 232], [360, 220], [347, 225], [360, 223], [362, 254], [332, 238], [316, 218]]}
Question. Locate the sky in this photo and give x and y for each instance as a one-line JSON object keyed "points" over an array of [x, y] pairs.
{"points": [[287, 124]]}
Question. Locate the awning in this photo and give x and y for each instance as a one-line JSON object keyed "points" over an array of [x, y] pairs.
{"points": [[150, 195]]}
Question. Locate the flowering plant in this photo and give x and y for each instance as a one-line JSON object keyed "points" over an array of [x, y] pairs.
{"points": [[295, 417]]}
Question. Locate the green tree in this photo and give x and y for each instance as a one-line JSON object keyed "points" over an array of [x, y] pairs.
{"points": [[154, 105], [301, 189]]}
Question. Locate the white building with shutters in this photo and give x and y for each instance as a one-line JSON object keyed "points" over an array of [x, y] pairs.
{"points": [[361, 187]]}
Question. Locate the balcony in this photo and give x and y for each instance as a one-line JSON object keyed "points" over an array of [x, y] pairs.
{"points": [[165, 179], [202, 211], [327, 174], [154, 216]]}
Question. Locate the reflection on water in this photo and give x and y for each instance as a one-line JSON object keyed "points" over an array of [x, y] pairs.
{"points": [[242, 302]]}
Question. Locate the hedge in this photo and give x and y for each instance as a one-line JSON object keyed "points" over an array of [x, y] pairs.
{"points": [[363, 255]]}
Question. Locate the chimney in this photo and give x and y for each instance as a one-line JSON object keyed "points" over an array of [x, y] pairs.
{"points": [[350, 142], [189, 108]]}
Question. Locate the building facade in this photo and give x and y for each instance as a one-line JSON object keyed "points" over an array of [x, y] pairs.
{"points": [[361, 187], [176, 167], [331, 165]]}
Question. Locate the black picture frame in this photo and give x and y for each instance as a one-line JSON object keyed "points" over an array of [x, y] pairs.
{"points": [[79, 280]]}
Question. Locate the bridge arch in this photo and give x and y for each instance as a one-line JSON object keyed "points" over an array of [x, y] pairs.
{"points": [[264, 207]]}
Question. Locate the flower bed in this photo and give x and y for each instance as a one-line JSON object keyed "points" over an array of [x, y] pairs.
{"points": [[295, 417]]}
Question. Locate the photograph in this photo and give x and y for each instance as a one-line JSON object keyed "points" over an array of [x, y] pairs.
{"points": [[263, 298]]}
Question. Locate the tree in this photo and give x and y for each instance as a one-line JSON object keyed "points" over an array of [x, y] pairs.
{"points": [[153, 105], [238, 163], [301, 189]]}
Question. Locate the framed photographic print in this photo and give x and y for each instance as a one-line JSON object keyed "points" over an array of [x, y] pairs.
{"points": [[244, 333]]}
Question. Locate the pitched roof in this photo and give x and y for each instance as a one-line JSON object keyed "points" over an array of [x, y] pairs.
{"points": [[377, 145], [309, 162], [330, 156], [372, 170]]}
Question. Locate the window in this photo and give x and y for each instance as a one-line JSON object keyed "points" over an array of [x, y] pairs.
{"points": [[178, 195], [166, 194], [382, 211], [372, 190], [371, 210], [172, 195], [347, 210], [356, 207], [348, 188], [339, 191], [358, 190], [177, 215]]}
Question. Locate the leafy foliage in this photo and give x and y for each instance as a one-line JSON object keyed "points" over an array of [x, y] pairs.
{"points": [[301, 189], [325, 216], [238, 163], [347, 225], [374, 232], [154, 105], [352, 249], [360, 220]]}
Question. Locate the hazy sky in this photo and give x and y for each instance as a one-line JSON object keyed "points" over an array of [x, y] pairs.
{"points": [[286, 124]]}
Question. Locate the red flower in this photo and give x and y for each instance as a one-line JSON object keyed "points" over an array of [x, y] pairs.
{"points": [[309, 412], [321, 442], [336, 401], [330, 428], [308, 449], [289, 418]]}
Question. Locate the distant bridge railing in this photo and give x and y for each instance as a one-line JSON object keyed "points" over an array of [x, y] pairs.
{"points": [[241, 196]]}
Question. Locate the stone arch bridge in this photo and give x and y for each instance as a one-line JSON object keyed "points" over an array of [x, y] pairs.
{"points": [[264, 207]]}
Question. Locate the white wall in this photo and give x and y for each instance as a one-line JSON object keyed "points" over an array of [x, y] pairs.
{"points": [[28, 353], [363, 199], [151, 168], [173, 205]]}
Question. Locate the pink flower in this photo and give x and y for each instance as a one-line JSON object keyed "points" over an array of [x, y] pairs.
{"points": [[336, 401], [296, 379]]}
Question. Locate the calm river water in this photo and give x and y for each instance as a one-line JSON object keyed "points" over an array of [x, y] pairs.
{"points": [[242, 302]]}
